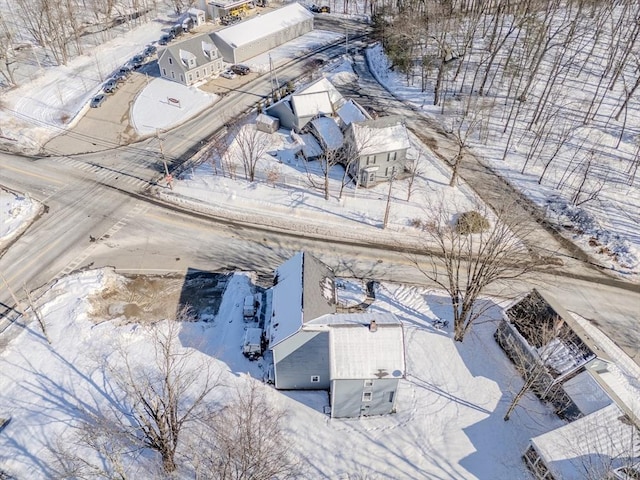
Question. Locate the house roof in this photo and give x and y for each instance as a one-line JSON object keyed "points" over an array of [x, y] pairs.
{"points": [[311, 104], [352, 112], [267, 119], [600, 439], [328, 132], [586, 393], [384, 134], [310, 146], [324, 85], [358, 352], [195, 47], [262, 26], [303, 291]]}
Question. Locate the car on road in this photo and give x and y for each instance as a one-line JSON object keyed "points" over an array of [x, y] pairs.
{"points": [[110, 85], [98, 100], [228, 74], [240, 69]]}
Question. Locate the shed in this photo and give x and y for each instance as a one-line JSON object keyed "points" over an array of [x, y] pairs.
{"points": [[266, 123], [262, 33], [197, 16]]}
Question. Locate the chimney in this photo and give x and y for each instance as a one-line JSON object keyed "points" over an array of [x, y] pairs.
{"points": [[373, 327]]}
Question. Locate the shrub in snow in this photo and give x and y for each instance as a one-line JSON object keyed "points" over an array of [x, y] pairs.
{"points": [[471, 222]]}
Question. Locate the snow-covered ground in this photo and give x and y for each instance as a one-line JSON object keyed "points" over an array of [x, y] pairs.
{"points": [[16, 213], [605, 226], [449, 411]]}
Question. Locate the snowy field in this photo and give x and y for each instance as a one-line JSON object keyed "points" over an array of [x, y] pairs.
{"points": [[449, 411], [16, 213]]}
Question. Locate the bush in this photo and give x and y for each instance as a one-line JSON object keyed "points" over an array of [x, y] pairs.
{"points": [[471, 222]]}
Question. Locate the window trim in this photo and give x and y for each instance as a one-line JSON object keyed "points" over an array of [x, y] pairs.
{"points": [[368, 383], [367, 396], [315, 378]]}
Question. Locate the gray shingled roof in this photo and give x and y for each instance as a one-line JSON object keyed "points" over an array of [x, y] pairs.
{"points": [[318, 294], [195, 46]]}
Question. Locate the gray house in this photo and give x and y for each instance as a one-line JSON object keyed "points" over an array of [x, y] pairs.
{"points": [[377, 149], [191, 60], [359, 357], [260, 34]]}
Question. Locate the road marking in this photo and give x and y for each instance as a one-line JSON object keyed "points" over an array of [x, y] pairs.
{"points": [[36, 175]]}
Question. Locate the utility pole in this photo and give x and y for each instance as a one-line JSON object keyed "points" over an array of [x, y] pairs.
{"points": [[388, 208], [167, 177]]}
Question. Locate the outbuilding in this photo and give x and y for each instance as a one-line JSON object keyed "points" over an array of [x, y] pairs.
{"points": [[262, 33]]}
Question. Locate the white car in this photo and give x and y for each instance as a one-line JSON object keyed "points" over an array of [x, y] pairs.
{"points": [[228, 74]]}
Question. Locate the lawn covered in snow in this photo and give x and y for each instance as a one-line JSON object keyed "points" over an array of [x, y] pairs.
{"points": [[449, 411], [16, 213]]}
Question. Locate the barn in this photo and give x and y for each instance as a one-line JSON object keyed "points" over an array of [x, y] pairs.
{"points": [[262, 33]]}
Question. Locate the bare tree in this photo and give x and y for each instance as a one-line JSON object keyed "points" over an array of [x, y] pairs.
{"points": [[468, 255], [460, 131], [249, 147], [157, 400], [7, 53], [245, 441]]}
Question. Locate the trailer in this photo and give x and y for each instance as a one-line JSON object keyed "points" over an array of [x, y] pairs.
{"points": [[249, 310]]}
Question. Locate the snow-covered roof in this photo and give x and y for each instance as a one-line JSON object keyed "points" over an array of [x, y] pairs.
{"points": [[585, 392], [266, 119], [359, 352], [310, 104], [262, 26], [324, 85], [385, 134], [599, 441], [350, 319], [310, 146], [328, 132], [351, 112], [303, 291]]}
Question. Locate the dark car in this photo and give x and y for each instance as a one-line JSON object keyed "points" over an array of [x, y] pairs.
{"points": [[320, 9], [150, 50], [110, 86], [165, 39], [137, 61], [120, 77], [176, 31], [240, 69], [98, 100], [125, 69]]}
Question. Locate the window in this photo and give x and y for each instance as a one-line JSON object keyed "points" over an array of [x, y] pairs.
{"points": [[170, 61], [164, 72], [173, 74], [391, 156], [368, 383], [181, 78], [190, 77], [315, 378], [197, 73], [372, 177], [366, 396], [391, 395]]}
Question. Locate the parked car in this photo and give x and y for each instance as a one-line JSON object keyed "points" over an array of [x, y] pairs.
{"points": [[262, 3], [228, 74], [110, 85], [120, 77], [240, 69], [125, 69], [98, 100], [137, 61], [165, 39], [176, 31], [150, 50], [320, 9]]}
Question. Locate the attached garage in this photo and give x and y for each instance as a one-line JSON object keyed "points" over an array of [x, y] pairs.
{"points": [[262, 33]]}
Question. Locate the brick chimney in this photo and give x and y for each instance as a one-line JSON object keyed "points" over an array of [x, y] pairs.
{"points": [[373, 327]]}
